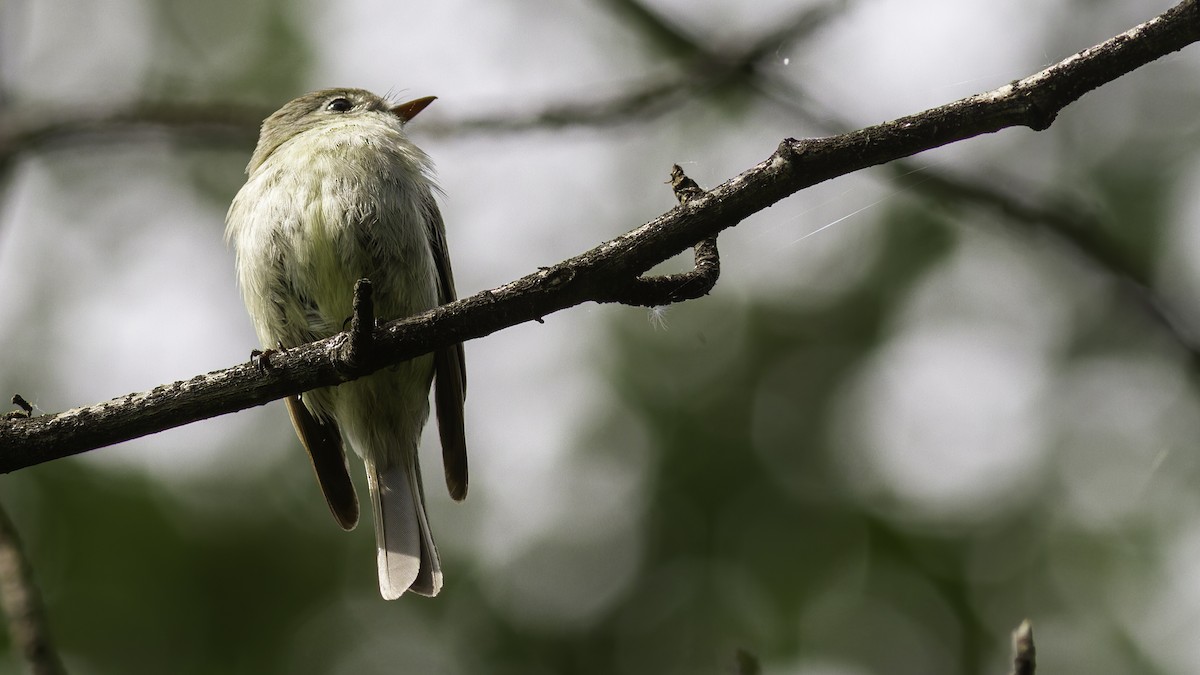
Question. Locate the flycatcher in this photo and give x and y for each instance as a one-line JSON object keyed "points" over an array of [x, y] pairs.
{"points": [[337, 192]]}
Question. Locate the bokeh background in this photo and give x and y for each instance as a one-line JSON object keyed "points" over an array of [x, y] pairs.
{"points": [[922, 403]]}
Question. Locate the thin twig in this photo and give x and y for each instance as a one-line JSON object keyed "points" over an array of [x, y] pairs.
{"points": [[667, 289], [27, 624], [26, 410], [1024, 654], [360, 341], [1081, 232], [205, 123], [237, 125]]}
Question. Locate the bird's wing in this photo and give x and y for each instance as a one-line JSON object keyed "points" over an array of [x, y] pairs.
{"points": [[324, 445], [450, 384]]}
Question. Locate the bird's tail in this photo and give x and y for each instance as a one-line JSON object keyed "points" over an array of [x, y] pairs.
{"points": [[408, 560]]}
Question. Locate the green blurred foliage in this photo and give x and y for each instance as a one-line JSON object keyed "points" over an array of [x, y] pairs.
{"points": [[240, 52], [136, 585]]}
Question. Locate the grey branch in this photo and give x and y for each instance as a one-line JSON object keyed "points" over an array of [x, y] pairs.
{"points": [[237, 125], [1024, 654], [360, 344], [27, 625], [201, 123], [671, 288], [1081, 232], [1071, 224], [1032, 102]]}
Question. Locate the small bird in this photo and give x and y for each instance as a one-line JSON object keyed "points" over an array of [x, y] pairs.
{"points": [[337, 192]]}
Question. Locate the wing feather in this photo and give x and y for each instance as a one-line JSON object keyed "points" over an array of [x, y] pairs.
{"points": [[450, 371], [324, 445]]}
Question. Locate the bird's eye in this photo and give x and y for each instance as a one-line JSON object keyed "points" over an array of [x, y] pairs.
{"points": [[339, 104]]}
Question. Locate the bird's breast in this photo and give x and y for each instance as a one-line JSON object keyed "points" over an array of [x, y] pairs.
{"points": [[321, 214]]}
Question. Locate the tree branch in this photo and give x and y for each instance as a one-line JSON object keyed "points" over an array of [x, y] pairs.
{"points": [[796, 164], [1069, 224], [1081, 232], [206, 123], [1024, 654], [27, 625], [671, 288], [360, 343], [238, 125]]}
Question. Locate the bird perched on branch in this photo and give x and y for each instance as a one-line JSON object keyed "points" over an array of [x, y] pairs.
{"points": [[336, 192]]}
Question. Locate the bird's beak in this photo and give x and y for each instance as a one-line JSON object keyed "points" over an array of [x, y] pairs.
{"points": [[409, 109]]}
